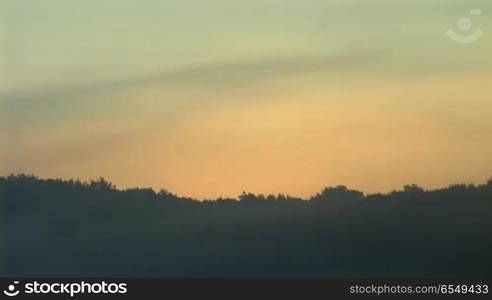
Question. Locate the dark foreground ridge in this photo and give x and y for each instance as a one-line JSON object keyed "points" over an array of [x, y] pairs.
{"points": [[64, 228]]}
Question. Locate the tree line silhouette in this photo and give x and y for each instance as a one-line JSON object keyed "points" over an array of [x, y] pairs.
{"points": [[58, 228]]}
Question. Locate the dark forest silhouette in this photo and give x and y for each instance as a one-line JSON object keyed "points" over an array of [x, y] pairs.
{"points": [[73, 228]]}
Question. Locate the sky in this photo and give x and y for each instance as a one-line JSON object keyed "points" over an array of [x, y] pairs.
{"points": [[209, 98]]}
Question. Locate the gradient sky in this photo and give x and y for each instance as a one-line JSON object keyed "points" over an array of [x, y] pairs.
{"points": [[210, 98]]}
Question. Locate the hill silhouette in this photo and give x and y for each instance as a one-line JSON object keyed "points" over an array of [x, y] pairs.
{"points": [[60, 228]]}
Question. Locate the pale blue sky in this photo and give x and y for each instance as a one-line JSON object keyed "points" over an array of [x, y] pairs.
{"points": [[56, 41]]}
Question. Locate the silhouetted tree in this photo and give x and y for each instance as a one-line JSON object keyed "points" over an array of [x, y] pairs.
{"points": [[101, 184], [58, 228], [338, 193]]}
